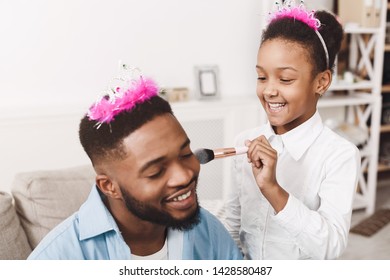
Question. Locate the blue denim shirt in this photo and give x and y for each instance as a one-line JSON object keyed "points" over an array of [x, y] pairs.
{"points": [[92, 233]]}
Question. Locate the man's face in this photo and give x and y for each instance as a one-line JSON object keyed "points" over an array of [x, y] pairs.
{"points": [[159, 174]]}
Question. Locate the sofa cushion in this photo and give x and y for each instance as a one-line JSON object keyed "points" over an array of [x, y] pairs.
{"points": [[45, 198], [13, 240]]}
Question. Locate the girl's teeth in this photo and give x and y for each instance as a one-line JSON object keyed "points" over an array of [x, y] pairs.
{"points": [[276, 105], [182, 197]]}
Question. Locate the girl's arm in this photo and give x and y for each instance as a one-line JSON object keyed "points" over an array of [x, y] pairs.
{"points": [[323, 233]]}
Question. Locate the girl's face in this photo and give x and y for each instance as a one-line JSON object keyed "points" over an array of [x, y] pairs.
{"points": [[286, 87]]}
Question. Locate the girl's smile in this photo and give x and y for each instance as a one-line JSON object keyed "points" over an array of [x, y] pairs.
{"points": [[275, 107]]}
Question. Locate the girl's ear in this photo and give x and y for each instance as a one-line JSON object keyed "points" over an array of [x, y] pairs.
{"points": [[107, 186], [324, 79]]}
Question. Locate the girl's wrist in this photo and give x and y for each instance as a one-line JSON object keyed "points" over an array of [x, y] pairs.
{"points": [[276, 196]]}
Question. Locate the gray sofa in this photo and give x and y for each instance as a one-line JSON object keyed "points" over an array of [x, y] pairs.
{"points": [[39, 201]]}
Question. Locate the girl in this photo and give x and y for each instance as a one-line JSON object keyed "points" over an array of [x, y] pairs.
{"points": [[293, 193]]}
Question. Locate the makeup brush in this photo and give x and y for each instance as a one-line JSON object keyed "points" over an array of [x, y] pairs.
{"points": [[206, 155]]}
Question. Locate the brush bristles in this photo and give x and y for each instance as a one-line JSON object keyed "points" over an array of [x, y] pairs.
{"points": [[204, 155]]}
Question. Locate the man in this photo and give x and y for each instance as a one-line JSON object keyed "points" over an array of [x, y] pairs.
{"points": [[144, 203]]}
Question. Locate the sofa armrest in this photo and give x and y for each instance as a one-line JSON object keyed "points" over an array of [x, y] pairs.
{"points": [[13, 240]]}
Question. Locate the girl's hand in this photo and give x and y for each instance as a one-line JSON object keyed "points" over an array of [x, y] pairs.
{"points": [[263, 158]]}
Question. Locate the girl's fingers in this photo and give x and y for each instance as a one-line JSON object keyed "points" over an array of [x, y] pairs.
{"points": [[258, 150]]}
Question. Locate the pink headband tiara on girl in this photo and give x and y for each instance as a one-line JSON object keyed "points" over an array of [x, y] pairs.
{"points": [[290, 10], [122, 98]]}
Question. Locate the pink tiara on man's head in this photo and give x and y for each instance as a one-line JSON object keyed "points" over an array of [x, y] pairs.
{"points": [[289, 10], [122, 98]]}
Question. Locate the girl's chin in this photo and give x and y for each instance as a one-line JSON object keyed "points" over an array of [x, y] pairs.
{"points": [[276, 121]]}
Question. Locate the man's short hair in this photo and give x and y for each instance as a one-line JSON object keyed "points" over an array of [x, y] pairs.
{"points": [[105, 142]]}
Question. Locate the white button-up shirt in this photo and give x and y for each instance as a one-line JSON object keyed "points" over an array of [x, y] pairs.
{"points": [[319, 169]]}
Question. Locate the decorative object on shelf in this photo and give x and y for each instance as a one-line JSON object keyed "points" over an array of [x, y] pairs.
{"points": [[384, 152], [318, 5], [348, 77], [385, 113], [387, 38], [386, 69], [207, 82], [176, 94], [363, 14]]}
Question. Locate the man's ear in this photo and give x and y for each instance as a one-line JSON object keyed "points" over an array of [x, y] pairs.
{"points": [[324, 79], [107, 186]]}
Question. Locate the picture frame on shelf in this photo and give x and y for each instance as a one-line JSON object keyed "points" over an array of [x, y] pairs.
{"points": [[207, 82]]}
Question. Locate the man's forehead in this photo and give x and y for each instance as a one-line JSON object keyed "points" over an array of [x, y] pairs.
{"points": [[161, 133]]}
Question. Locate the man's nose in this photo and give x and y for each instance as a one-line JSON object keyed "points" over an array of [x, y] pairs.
{"points": [[180, 175]]}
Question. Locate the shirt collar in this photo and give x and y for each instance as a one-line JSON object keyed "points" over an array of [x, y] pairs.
{"points": [[299, 139], [94, 217]]}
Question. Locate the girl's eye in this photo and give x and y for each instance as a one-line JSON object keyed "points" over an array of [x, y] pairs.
{"points": [[261, 78], [286, 80]]}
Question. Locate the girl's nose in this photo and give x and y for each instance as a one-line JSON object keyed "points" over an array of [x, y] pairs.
{"points": [[270, 92]]}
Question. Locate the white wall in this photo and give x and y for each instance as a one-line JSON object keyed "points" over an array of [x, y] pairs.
{"points": [[56, 57], [67, 50]]}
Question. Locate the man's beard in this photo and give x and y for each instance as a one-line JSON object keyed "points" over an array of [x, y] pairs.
{"points": [[149, 213]]}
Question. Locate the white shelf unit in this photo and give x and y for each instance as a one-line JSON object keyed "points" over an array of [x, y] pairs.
{"points": [[363, 101], [359, 107]]}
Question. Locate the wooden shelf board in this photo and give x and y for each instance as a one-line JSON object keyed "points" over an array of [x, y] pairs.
{"points": [[385, 128], [382, 167], [386, 89]]}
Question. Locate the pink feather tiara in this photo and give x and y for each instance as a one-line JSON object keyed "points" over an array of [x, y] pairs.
{"points": [[290, 10], [122, 99]]}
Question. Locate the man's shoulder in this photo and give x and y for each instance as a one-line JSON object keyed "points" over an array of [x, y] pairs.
{"points": [[208, 216], [210, 240], [210, 224]]}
